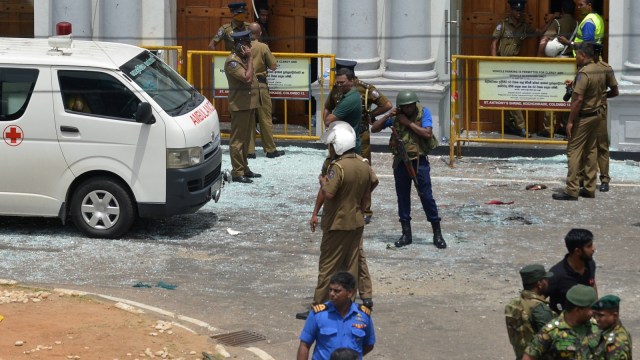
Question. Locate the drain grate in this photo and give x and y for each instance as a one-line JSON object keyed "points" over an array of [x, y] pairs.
{"points": [[239, 338]]}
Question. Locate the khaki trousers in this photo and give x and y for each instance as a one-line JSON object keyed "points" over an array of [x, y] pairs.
{"points": [[581, 154], [365, 288], [264, 114], [241, 128], [339, 251]]}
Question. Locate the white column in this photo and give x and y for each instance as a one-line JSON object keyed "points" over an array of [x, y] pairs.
{"points": [[122, 21], [632, 64], [357, 35], [409, 42], [78, 13]]}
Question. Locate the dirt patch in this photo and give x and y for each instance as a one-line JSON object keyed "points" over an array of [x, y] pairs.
{"points": [[42, 324]]}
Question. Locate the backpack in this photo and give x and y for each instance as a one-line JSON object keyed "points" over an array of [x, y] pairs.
{"points": [[517, 314]]}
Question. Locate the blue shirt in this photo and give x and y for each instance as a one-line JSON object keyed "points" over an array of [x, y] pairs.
{"points": [[589, 31], [427, 120], [331, 331]]}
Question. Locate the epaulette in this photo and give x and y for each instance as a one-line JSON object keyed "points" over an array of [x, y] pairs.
{"points": [[366, 85], [365, 310], [319, 308]]}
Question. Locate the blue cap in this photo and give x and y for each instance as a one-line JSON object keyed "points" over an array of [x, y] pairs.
{"points": [[238, 7], [244, 35], [349, 64], [517, 4]]}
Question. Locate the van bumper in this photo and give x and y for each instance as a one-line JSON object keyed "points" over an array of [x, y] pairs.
{"points": [[188, 189]]}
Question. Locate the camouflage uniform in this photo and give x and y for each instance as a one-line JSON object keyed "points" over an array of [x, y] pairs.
{"points": [[558, 340], [510, 36], [613, 343], [525, 316]]}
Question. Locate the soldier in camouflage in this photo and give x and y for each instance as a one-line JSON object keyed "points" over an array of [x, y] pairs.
{"points": [[529, 312], [568, 335], [614, 341]]}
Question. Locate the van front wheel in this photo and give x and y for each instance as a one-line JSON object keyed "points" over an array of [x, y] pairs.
{"points": [[102, 208]]}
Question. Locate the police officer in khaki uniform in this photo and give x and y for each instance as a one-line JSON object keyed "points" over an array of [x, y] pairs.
{"points": [[582, 126], [244, 99], [369, 95], [238, 23], [263, 60], [343, 189], [610, 91]]}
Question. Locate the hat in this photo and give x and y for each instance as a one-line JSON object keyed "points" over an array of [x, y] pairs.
{"points": [[531, 274], [517, 4], [238, 7], [349, 64], [607, 302], [582, 295], [244, 35], [341, 135]]}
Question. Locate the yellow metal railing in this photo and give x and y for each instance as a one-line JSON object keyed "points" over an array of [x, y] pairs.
{"points": [[207, 56], [172, 55], [461, 77]]}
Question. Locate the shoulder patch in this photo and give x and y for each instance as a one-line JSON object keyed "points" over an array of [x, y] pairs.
{"points": [[375, 94], [331, 173], [319, 308], [365, 310], [220, 32], [499, 27], [233, 64]]}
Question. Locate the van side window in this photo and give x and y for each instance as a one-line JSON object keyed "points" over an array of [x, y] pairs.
{"points": [[16, 88], [97, 93]]}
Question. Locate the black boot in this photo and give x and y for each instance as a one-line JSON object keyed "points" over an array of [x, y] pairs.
{"points": [[405, 239], [438, 240]]}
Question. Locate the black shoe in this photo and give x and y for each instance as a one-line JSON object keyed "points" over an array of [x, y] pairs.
{"points": [[368, 303], [250, 174], [241, 179], [367, 219], [604, 187], [585, 194], [251, 156], [302, 315], [563, 196], [275, 154], [544, 133]]}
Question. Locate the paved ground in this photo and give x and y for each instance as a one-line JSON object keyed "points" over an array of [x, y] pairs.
{"points": [[433, 304]]}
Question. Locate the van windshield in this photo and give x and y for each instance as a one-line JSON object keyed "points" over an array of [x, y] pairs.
{"points": [[161, 82]]}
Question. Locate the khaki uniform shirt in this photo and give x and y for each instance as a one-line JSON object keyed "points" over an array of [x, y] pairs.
{"points": [[562, 27], [242, 96], [369, 95], [262, 58], [590, 82], [510, 36], [610, 80], [349, 178], [225, 31]]}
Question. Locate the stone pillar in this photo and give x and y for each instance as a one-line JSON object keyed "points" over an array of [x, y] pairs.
{"points": [[632, 65], [357, 36], [410, 42], [78, 13], [122, 21]]}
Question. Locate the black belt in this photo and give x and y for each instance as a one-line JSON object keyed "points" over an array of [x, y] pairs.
{"points": [[262, 79], [588, 114]]}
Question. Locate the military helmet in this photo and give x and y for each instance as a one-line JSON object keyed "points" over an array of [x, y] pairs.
{"points": [[406, 97]]}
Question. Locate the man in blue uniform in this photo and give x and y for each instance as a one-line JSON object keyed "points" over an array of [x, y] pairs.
{"points": [[338, 323]]}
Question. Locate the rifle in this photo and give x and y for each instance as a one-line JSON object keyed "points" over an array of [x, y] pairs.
{"points": [[405, 159]]}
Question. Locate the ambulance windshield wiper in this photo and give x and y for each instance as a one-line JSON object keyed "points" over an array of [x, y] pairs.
{"points": [[189, 103]]}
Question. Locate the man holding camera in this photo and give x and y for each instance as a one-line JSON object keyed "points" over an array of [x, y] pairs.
{"points": [[582, 126]]}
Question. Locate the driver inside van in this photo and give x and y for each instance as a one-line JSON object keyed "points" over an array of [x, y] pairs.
{"points": [[77, 102]]}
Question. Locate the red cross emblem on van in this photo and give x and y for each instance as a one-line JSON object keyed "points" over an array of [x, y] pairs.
{"points": [[13, 135]]}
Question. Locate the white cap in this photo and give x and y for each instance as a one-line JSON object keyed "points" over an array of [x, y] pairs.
{"points": [[341, 135]]}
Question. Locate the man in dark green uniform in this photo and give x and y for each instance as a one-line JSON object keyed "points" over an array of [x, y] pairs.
{"points": [[238, 23], [529, 312], [567, 336], [582, 126], [614, 342], [244, 99]]}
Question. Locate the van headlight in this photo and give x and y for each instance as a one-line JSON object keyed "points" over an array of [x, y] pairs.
{"points": [[184, 158]]}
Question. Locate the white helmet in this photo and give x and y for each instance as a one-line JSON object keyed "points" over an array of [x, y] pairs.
{"points": [[341, 135], [553, 48]]}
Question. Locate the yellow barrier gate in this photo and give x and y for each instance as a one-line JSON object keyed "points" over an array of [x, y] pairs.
{"points": [[172, 55], [202, 57], [487, 83]]}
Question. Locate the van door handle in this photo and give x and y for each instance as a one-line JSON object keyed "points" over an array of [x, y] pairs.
{"points": [[69, 129]]}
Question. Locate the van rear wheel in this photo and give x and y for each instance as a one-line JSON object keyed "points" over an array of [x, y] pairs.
{"points": [[102, 208]]}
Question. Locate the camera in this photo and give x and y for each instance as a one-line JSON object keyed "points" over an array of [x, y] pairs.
{"points": [[568, 93]]}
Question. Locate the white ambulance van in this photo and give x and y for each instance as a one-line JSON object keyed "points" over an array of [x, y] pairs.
{"points": [[102, 133]]}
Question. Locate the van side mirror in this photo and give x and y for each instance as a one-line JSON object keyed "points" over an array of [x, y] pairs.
{"points": [[144, 114]]}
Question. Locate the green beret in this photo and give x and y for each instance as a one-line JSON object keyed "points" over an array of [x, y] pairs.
{"points": [[533, 273], [607, 302], [582, 295]]}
